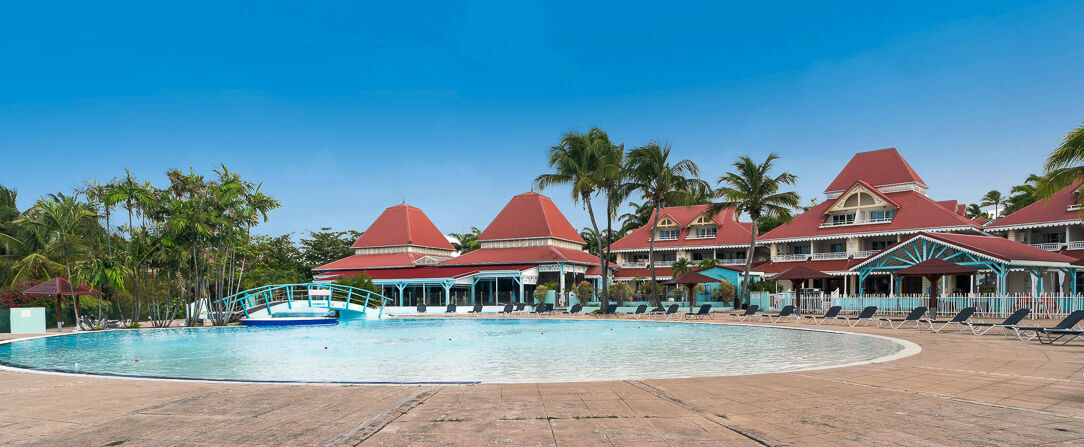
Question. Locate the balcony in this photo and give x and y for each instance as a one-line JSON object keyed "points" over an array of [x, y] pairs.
{"points": [[1075, 245], [865, 253], [856, 222], [1051, 246], [825, 256], [790, 258], [644, 264]]}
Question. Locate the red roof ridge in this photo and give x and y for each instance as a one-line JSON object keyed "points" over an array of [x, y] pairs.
{"points": [[887, 164]]}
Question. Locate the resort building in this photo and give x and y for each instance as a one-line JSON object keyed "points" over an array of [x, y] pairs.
{"points": [[875, 202], [683, 232], [530, 242], [1052, 224]]}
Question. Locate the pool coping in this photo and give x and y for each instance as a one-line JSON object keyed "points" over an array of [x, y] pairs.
{"points": [[908, 349]]}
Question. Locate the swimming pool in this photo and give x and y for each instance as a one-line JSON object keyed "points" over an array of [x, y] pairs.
{"points": [[449, 350]]}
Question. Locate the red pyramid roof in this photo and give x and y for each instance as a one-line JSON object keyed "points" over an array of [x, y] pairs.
{"points": [[59, 286], [403, 225], [530, 215], [878, 168]]}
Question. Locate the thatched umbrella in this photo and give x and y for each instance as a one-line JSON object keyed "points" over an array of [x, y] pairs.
{"points": [[60, 287], [797, 276], [933, 269], [691, 279]]}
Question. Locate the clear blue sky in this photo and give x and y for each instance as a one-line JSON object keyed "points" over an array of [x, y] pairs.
{"points": [[345, 108]]}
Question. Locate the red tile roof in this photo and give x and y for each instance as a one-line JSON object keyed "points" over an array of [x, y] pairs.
{"points": [[827, 266], [523, 255], [451, 272], [644, 273], [916, 212], [402, 225], [1054, 209], [878, 168], [60, 286], [389, 260], [530, 215], [990, 246], [980, 221], [731, 232]]}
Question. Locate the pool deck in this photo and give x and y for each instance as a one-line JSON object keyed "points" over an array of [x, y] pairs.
{"points": [[960, 390]]}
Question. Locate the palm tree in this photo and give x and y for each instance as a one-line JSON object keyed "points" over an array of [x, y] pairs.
{"points": [[754, 190], [992, 198], [60, 216], [581, 160], [661, 183], [681, 267], [1024, 194], [1065, 165], [467, 242], [707, 263], [640, 215], [974, 210]]}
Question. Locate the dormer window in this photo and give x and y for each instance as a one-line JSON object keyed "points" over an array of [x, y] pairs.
{"points": [[666, 222], [703, 220], [860, 206], [668, 235], [705, 232], [881, 216], [842, 219]]}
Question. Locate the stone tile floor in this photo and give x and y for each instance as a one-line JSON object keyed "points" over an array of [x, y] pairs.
{"points": [[960, 390]]}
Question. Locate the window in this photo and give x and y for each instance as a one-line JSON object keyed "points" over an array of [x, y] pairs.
{"points": [[802, 249], [702, 220], [1054, 238], [837, 248], [842, 219], [639, 258], [706, 232], [881, 216], [879, 245], [700, 256], [733, 255], [668, 257], [668, 235]]}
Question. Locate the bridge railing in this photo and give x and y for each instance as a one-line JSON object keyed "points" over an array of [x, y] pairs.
{"points": [[322, 295]]}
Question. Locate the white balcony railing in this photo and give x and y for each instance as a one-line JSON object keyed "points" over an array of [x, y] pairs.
{"points": [[1075, 245], [865, 253], [730, 261], [856, 222], [788, 258], [1050, 246], [830, 255], [644, 264]]}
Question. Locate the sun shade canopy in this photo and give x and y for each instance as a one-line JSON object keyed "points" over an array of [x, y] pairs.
{"points": [[59, 286], [692, 278], [800, 272]]}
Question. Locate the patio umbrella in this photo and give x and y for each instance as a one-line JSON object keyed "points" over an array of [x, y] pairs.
{"points": [[60, 287], [690, 280], [797, 276], [933, 269]]}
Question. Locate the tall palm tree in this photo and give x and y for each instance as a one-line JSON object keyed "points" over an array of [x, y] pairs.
{"points": [[681, 267], [1023, 195], [755, 190], [1065, 165], [638, 217], [581, 160], [994, 199], [467, 242], [60, 216], [974, 210], [661, 182], [707, 263]]}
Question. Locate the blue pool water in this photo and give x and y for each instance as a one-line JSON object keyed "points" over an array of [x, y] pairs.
{"points": [[436, 350]]}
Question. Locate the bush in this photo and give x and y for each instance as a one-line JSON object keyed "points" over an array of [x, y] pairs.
{"points": [[584, 290], [619, 291], [540, 294], [362, 281], [724, 291], [767, 285]]}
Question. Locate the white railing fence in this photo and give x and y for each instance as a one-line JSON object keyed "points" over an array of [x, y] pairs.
{"points": [[986, 305]]}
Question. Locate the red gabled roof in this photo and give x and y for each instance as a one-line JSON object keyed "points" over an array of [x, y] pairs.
{"points": [[915, 212], [980, 221], [731, 232], [523, 255], [995, 247], [388, 260], [830, 265], [403, 225], [530, 215], [878, 168], [644, 272], [1053, 209]]}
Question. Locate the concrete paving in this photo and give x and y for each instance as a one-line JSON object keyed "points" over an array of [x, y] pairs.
{"points": [[960, 390]]}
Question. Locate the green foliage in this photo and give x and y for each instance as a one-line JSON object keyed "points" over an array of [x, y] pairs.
{"points": [[768, 285], [362, 281], [467, 242], [540, 293], [621, 291], [584, 291], [681, 267], [324, 246], [724, 291]]}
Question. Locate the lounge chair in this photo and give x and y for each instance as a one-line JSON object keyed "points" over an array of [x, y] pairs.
{"points": [[960, 320], [575, 309], [520, 308], [477, 309], [832, 313], [421, 308], [705, 310], [640, 310], [549, 308], [670, 310], [610, 310], [750, 312], [1047, 335], [507, 309], [979, 327], [865, 316], [450, 309], [786, 312], [914, 317]]}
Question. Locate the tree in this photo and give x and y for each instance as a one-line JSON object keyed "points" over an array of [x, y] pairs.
{"points": [[974, 211], [640, 215], [768, 223], [467, 242], [324, 246], [583, 161], [60, 216], [1023, 195], [707, 263], [755, 190], [992, 198], [1065, 164], [661, 182], [681, 267]]}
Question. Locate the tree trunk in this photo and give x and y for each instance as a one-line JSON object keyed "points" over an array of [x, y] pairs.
{"points": [[651, 256], [601, 255], [606, 262], [748, 264]]}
